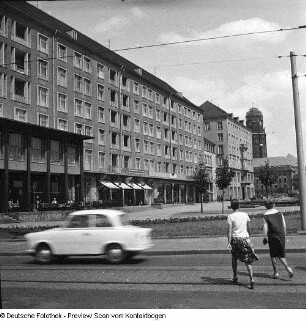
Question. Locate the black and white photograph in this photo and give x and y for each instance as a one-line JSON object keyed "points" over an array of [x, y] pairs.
{"points": [[152, 159]]}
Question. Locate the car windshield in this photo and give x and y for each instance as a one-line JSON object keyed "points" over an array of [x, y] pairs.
{"points": [[124, 220]]}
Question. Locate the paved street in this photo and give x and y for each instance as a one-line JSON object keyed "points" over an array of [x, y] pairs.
{"points": [[180, 281]]}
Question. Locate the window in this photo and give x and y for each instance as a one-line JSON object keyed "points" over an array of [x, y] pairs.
{"points": [[136, 106], [150, 95], [101, 159], [158, 132], [151, 130], [88, 130], [56, 152], [1, 114], [61, 77], [78, 108], [87, 110], [158, 115], [42, 69], [113, 98], [144, 109], [126, 141], [20, 114], [220, 149], [144, 91], [125, 83], [125, 121], [78, 128], [62, 124], [43, 43], [101, 136], [219, 125], [206, 127], [136, 88], [100, 92], [77, 60], [137, 163], [137, 126], [43, 97], [16, 147], [78, 81], [102, 221], [100, 71], [146, 146], [126, 101], [3, 85], [137, 145], [61, 102], [43, 120], [78, 221], [61, 52], [101, 115], [87, 87], [38, 150], [220, 137], [113, 77], [113, 117], [157, 98], [87, 64]]}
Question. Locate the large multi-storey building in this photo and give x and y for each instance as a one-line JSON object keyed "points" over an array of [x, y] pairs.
{"points": [[233, 141], [254, 120], [142, 137]]}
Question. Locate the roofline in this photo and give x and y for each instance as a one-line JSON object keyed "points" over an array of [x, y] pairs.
{"points": [[101, 50]]}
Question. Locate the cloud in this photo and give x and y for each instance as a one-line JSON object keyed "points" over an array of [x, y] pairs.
{"points": [[231, 28], [137, 12], [119, 22], [116, 22], [272, 94]]}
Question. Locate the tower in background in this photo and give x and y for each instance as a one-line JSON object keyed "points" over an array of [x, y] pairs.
{"points": [[254, 120]]}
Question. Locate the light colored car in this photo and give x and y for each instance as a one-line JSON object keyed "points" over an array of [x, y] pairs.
{"points": [[90, 232]]}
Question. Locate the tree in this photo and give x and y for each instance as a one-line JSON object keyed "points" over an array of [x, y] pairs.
{"points": [[224, 175], [201, 181], [267, 176]]}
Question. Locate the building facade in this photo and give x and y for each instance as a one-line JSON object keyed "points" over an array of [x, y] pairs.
{"points": [[146, 137], [254, 120], [233, 141], [285, 167], [211, 165]]}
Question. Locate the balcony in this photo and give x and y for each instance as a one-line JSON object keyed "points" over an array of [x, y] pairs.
{"points": [[21, 41], [21, 99]]}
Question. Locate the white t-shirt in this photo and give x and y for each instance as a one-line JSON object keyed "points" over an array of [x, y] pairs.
{"points": [[238, 221]]}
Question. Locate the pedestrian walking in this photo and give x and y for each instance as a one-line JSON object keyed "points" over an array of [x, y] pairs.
{"points": [[275, 235], [239, 242]]}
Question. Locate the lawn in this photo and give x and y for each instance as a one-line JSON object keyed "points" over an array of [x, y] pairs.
{"points": [[180, 227]]}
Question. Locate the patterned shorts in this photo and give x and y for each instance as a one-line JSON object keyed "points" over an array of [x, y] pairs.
{"points": [[243, 250]]}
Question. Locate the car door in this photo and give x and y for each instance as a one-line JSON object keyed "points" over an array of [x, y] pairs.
{"points": [[103, 232], [77, 237]]}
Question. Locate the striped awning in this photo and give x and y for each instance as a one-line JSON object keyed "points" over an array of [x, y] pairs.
{"points": [[135, 186], [109, 185], [123, 185], [145, 186]]}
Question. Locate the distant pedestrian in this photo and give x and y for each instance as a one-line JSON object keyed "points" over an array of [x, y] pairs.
{"points": [[275, 235], [239, 242]]}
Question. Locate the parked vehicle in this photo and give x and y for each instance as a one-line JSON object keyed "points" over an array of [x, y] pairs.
{"points": [[90, 232]]}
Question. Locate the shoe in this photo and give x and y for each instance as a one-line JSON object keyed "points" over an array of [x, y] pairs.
{"points": [[274, 276], [252, 284], [290, 272], [235, 280]]}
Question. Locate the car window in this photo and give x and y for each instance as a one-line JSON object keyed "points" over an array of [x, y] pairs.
{"points": [[78, 221], [102, 221]]}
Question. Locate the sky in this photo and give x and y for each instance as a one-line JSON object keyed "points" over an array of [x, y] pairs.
{"points": [[234, 73]]}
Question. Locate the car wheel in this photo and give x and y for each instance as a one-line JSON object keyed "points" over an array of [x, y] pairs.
{"points": [[43, 254], [115, 253]]}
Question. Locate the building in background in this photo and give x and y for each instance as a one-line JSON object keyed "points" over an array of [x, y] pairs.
{"points": [[147, 138], [233, 141], [285, 167], [254, 121]]}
